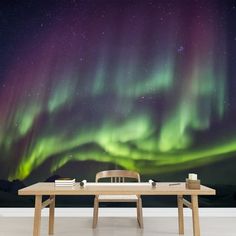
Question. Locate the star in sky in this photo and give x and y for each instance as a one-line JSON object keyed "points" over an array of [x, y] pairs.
{"points": [[180, 49]]}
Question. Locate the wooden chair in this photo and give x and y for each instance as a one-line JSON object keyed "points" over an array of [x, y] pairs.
{"points": [[118, 176]]}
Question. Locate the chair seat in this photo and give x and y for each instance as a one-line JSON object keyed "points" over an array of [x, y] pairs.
{"points": [[117, 198]]}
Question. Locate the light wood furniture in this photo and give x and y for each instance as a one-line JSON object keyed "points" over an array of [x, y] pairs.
{"points": [[118, 176], [40, 189]]}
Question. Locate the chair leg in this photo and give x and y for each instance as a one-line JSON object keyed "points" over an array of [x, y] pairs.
{"points": [[95, 212], [140, 212], [138, 216]]}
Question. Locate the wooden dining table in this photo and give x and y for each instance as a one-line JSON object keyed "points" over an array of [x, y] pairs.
{"points": [[176, 189]]}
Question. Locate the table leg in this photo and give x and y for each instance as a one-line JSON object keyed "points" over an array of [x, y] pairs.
{"points": [[51, 215], [37, 215], [180, 214], [195, 215]]}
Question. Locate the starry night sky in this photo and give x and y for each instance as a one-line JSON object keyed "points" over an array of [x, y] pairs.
{"points": [[142, 85]]}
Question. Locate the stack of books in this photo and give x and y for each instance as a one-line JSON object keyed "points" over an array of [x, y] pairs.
{"points": [[65, 182]]}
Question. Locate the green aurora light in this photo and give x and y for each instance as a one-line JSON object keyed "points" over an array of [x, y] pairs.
{"points": [[130, 96]]}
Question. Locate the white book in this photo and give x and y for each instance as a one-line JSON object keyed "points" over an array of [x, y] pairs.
{"points": [[64, 181], [65, 184]]}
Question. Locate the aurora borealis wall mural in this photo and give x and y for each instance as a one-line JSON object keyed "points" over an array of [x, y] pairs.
{"points": [[142, 85]]}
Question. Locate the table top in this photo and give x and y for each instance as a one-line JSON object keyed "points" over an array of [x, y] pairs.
{"points": [[115, 189]]}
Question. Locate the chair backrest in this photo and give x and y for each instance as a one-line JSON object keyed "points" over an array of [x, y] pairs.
{"points": [[118, 176]]}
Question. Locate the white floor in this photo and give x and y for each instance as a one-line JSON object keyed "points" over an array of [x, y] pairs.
{"points": [[118, 226]]}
